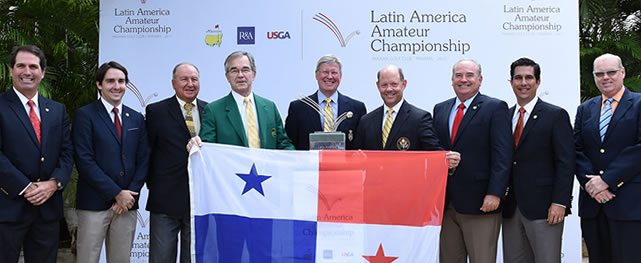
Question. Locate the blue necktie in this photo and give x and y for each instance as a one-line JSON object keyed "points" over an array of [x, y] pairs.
{"points": [[606, 115]]}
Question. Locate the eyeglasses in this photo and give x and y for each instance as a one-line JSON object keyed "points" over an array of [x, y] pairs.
{"points": [[236, 71], [601, 74]]}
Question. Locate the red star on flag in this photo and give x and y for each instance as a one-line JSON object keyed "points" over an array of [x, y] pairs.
{"points": [[380, 256]]}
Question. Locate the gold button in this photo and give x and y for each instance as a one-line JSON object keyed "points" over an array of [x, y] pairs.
{"points": [[514, 163], [601, 172], [619, 185], [602, 150], [42, 159], [122, 173]]}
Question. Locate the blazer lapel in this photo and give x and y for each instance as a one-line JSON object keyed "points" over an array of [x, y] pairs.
{"points": [[399, 121], [316, 124], [106, 119], [262, 110], [125, 121], [595, 111], [531, 121], [176, 113], [19, 110], [475, 106], [619, 112], [233, 116], [378, 127]]}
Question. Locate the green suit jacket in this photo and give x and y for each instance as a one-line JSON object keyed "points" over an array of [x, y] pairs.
{"points": [[221, 123]]}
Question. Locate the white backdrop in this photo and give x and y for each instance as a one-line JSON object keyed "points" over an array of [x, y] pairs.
{"points": [[424, 37]]}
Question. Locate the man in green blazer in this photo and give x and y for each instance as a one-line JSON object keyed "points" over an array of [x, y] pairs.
{"points": [[245, 119], [230, 119]]}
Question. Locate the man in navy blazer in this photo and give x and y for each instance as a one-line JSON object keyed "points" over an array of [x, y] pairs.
{"points": [[168, 180], [608, 166], [112, 155], [303, 119], [35, 162], [475, 188], [542, 172]]}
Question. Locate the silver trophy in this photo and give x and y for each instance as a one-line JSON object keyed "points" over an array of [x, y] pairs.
{"points": [[332, 140]]}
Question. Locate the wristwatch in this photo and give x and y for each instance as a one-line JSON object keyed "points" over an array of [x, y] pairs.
{"points": [[58, 183]]}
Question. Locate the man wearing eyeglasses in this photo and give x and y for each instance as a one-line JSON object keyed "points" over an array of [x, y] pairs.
{"points": [[607, 134], [242, 118]]}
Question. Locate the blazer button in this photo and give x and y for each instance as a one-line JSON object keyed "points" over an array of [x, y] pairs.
{"points": [[602, 151], [514, 163], [601, 172], [42, 159], [122, 173], [123, 157]]}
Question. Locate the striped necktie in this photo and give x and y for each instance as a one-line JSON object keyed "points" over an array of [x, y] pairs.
{"points": [[328, 116], [387, 126], [252, 130], [606, 115]]}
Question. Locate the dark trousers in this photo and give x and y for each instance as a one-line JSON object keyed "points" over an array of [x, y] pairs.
{"points": [[163, 243], [611, 241], [38, 239]]}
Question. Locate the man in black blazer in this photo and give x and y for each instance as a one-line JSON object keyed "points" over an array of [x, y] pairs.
{"points": [[303, 119], [481, 133], [608, 166], [409, 128], [542, 172], [35, 162], [168, 180]]}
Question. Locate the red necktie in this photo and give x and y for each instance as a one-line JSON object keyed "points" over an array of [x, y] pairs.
{"points": [[457, 120], [117, 122], [518, 130], [33, 117]]}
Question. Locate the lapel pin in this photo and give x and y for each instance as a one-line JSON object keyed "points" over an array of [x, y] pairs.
{"points": [[475, 107], [535, 117], [47, 109], [126, 114]]}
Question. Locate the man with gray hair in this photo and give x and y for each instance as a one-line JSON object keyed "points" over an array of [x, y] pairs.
{"points": [[303, 119]]}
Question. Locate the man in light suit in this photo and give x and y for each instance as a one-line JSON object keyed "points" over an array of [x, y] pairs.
{"points": [[542, 172], [303, 119], [112, 157], [607, 133], [171, 122], [478, 127], [242, 118], [35, 162]]}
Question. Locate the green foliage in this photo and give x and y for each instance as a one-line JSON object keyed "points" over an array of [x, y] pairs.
{"points": [[67, 31], [610, 26]]}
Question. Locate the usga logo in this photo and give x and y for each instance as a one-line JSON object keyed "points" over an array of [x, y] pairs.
{"points": [[278, 35]]}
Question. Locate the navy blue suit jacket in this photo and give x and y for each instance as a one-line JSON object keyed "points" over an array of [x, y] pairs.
{"points": [[484, 139], [543, 166], [302, 120], [617, 159], [105, 165], [412, 130], [24, 160], [168, 180]]}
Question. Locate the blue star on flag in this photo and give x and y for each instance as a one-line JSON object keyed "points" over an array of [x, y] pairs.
{"points": [[253, 180]]}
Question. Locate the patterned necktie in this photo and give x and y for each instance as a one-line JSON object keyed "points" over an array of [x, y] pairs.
{"points": [[518, 130], [252, 130], [457, 120], [328, 116], [387, 126], [35, 122], [606, 115], [117, 122], [189, 119]]}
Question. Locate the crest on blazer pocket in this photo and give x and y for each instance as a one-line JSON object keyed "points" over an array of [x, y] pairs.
{"points": [[274, 132]]}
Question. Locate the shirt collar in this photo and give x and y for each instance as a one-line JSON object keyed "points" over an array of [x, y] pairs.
{"points": [[466, 102], [322, 97], [239, 98], [110, 107], [529, 107], [24, 99], [617, 97]]}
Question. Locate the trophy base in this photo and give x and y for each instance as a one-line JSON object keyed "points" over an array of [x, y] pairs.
{"points": [[327, 141]]}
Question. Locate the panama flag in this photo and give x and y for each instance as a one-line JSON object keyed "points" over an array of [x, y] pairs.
{"points": [[256, 205]]}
